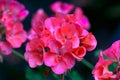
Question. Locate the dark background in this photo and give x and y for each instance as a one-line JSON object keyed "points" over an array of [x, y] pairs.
{"points": [[104, 16]]}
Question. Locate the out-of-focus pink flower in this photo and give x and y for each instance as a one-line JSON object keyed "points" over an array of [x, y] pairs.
{"points": [[101, 71], [5, 48], [12, 11], [38, 21], [34, 53], [61, 7], [113, 52], [89, 42], [14, 35], [81, 19], [59, 57]]}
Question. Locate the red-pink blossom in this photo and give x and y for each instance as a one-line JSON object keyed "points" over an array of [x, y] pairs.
{"points": [[61, 7], [101, 71], [14, 35], [63, 39], [59, 57]]}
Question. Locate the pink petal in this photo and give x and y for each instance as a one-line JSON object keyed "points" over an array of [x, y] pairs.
{"points": [[79, 52], [81, 19], [23, 14], [34, 59], [75, 41], [49, 59], [54, 46], [101, 68], [52, 24], [69, 59], [17, 40], [113, 51], [84, 22], [89, 42], [59, 68], [61, 7], [78, 13], [5, 48], [38, 21], [32, 34], [67, 47]]}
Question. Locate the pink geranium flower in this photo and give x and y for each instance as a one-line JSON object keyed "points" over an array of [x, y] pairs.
{"points": [[12, 11], [34, 53], [61, 7], [14, 35], [11, 14], [64, 39], [101, 71], [59, 57]]}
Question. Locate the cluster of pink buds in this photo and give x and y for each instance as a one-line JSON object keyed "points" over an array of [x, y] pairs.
{"points": [[101, 70], [12, 34], [58, 40]]}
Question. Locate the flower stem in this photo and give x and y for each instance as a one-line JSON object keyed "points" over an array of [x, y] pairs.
{"points": [[62, 77], [18, 54], [88, 64]]}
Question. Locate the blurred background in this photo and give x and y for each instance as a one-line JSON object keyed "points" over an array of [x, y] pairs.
{"points": [[104, 17]]}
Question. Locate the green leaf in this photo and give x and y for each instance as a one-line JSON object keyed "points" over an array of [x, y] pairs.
{"points": [[1, 58], [33, 75], [96, 53], [112, 66], [74, 75], [36, 73]]}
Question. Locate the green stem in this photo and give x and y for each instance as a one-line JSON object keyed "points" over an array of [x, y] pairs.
{"points": [[18, 54], [86, 63], [62, 77]]}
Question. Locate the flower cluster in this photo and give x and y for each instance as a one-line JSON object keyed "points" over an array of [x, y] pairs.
{"points": [[12, 34], [101, 70], [58, 40]]}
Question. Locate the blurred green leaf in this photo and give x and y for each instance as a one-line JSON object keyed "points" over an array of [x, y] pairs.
{"points": [[96, 53], [74, 75], [38, 73], [33, 75], [112, 66]]}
